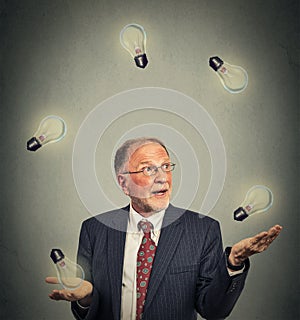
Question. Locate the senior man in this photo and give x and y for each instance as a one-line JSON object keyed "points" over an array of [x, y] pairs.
{"points": [[151, 260]]}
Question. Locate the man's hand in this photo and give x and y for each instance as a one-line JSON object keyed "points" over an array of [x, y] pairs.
{"points": [[249, 246], [82, 293]]}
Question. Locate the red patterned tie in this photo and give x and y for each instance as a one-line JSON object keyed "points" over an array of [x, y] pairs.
{"points": [[145, 259]]}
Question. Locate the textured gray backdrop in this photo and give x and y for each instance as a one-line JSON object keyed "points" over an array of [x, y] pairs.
{"points": [[64, 58]]}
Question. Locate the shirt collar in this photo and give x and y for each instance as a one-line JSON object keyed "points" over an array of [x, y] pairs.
{"points": [[134, 218]]}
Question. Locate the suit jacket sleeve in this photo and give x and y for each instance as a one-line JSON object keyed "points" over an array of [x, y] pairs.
{"points": [[84, 259], [217, 292]]}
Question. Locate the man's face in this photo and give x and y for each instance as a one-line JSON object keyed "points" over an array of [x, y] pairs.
{"points": [[148, 193]]}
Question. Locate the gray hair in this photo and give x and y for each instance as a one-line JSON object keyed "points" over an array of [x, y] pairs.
{"points": [[128, 148]]}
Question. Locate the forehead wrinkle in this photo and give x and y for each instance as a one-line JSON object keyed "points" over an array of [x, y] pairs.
{"points": [[135, 160], [148, 155]]}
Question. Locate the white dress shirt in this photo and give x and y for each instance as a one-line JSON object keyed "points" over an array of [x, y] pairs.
{"points": [[132, 244]]}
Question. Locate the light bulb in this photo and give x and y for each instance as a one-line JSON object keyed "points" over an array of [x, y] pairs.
{"points": [[258, 199], [133, 39], [51, 129], [233, 78], [69, 273]]}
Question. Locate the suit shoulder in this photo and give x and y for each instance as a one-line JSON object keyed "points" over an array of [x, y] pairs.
{"points": [[105, 218], [195, 217]]}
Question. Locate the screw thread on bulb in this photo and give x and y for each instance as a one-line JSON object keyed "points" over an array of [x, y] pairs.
{"points": [[141, 60], [240, 214], [215, 63], [33, 144]]}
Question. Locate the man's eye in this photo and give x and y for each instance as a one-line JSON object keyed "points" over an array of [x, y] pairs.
{"points": [[166, 166], [148, 169]]}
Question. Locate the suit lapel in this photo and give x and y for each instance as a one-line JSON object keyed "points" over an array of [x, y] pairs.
{"points": [[116, 245], [168, 242]]}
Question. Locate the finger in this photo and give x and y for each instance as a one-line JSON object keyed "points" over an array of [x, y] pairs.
{"points": [[275, 230], [60, 295], [55, 295], [268, 236], [273, 237], [277, 227], [257, 238], [261, 243], [52, 280], [272, 234]]}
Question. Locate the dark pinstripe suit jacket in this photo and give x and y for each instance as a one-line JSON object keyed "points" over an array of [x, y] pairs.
{"points": [[189, 272]]}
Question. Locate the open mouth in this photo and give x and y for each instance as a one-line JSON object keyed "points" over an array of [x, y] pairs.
{"points": [[160, 192]]}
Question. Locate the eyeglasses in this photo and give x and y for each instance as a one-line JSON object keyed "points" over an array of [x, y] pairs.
{"points": [[152, 170]]}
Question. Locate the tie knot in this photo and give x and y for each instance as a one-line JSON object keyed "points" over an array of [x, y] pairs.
{"points": [[145, 225]]}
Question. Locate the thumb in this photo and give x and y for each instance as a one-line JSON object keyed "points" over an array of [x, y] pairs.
{"points": [[52, 280]]}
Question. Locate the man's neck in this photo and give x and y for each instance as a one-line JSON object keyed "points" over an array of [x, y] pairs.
{"points": [[145, 214]]}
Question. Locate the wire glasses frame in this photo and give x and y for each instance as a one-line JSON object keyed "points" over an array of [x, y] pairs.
{"points": [[152, 170]]}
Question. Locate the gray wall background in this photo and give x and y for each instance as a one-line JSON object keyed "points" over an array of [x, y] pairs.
{"points": [[64, 58]]}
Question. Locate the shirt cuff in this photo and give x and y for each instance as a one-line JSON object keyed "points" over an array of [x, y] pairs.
{"points": [[232, 270], [234, 273], [80, 306]]}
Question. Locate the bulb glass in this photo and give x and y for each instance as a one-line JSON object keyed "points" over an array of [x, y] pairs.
{"points": [[258, 199], [70, 274], [133, 39], [51, 129], [233, 78]]}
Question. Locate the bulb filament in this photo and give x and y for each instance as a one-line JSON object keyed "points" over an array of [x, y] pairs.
{"points": [[42, 137], [248, 207], [224, 70]]}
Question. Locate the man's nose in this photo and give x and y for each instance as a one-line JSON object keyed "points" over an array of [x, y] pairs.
{"points": [[160, 175]]}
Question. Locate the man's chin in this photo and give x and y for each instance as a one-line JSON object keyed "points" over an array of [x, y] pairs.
{"points": [[158, 209], [142, 206]]}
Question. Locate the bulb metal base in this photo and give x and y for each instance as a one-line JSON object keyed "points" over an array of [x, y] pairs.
{"points": [[33, 144], [141, 60], [240, 214], [215, 63], [56, 255]]}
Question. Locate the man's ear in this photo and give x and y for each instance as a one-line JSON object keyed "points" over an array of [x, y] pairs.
{"points": [[123, 183]]}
